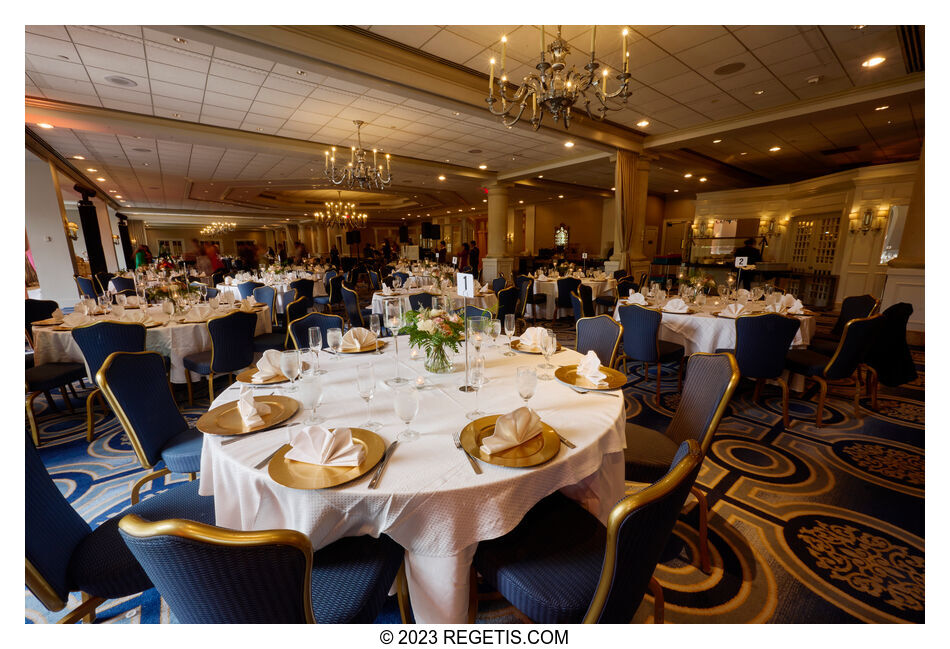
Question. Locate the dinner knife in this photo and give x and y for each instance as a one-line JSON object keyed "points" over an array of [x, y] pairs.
{"points": [[263, 463], [382, 465]]}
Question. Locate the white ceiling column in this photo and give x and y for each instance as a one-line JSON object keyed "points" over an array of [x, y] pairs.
{"points": [[45, 226], [496, 262]]}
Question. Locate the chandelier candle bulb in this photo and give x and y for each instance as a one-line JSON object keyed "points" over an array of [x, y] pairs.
{"points": [[504, 47], [374, 157], [542, 42], [491, 79], [593, 35]]}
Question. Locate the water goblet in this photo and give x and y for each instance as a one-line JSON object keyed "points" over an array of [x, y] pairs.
{"points": [[548, 347], [527, 382], [476, 381], [366, 386], [509, 331], [406, 406], [290, 367], [495, 331], [121, 299], [310, 396], [374, 326], [315, 336], [335, 340], [213, 302], [393, 313], [168, 307]]}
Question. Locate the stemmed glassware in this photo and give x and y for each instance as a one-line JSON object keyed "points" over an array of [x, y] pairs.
{"points": [[548, 347], [476, 381], [495, 331], [168, 307], [290, 367], [393, 323], [374, 326], [335, 340], [527, 382], [121, 299], [509, 331], [366, 384], [311, 397], [316, 344], [757, 292], [406, 406]]}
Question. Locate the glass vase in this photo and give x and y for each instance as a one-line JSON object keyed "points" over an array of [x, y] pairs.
{"points": [[437, 360]]}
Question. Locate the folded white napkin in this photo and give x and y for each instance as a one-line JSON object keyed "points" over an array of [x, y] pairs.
{"points": [[796, 308], [589, 368], [132, 300], [775, 308], [118, 311], [268, 367], [676, 305], [357, 338], [511, 430], [77, 320], [477, 285], [140, 316], [317, 445], [541, 277], [250, 410], [485, 289], [387, 290], [531, 339], [732, 311], [228, 280], [57, 313], [247, 304], [743, 294], [788, 300], [199, 313], [637, 298]]}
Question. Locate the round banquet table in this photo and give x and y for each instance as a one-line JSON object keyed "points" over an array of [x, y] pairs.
{"points": [[429, 500], [281, 288], [486, 301], [175, 340], [549, 287]]}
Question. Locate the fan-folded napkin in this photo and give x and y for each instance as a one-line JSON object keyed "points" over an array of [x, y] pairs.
{"points": [[530, 340], [357, 338], [136, 316], [77, 320], [132, 300], [387, 290], [732, 311], [247, 304], [676, 305], [57, 313], [589, 368], [199, 313], [268, 367], [511, 430], [317, 445], [541, 277], [637, 298], [250, 410]]}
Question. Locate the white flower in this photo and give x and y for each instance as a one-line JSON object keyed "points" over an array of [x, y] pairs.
{"points": [[426, 325], [435, 312]]}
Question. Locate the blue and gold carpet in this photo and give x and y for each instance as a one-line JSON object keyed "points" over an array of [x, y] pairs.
{"points": [[806, 525]]}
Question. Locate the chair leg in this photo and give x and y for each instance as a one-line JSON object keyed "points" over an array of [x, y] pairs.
{"points": [[679, 380], [857, 394], [90, 617], [872, 387], [34, 431], [757, 392], [144, 480], [472, 595], [191, 400], [192, 476], [85, 611], [73, 390], [402, 595], [658, 372], [210, 388], [822, 393], [49, 400], [703, 529], [90, 412], [784, 385], [65, 393], [658, 606]]}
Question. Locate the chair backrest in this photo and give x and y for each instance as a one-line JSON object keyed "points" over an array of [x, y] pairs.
{"points": [[577, 306], [762, 341], [472, 311], [217, 277], [507, 302], [327, 276], [498, 283], [889, 354], [637, 531], [98, 340], [232, 341], [625, 285], [123, 283], [245, 289], [641, 326], [466, 268], [620, 273], [524, 290], [642, 279], [304, 288], [212, 575], [601, 334], [37, 310], [296, 309], [351, 303], [374, 282], [266, 295], [420, 300], [402, 276], [53, 530], [710, 381], [102, 281], [587, 299], [212, 292], [521, 280], [136, 388], [853, 306], [299, 329], [335, 291], [86, 286], [566, 286], [855, 340]]}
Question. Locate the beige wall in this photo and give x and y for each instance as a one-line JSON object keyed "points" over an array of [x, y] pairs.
{"points": [[679, 209], [582, 216], [655, 209], [187, 234]]}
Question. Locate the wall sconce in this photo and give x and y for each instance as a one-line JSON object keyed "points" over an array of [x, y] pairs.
{"points": [[769, 228], [699, 228], [510, 238], [133, 241], [867, 223], [72, 230], [115, 239]]}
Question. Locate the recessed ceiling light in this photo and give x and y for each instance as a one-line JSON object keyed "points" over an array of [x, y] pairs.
{"points": [[176, 114], [687, 175], [118, 196], [457, 113], [91, 170], [101, 179], [540, 176], [111, 191], [118, 80], [484, 200], [744, 153], [483, 166], [79, 157], [858, 26], [882, 108], [560, 195], [301, 72], [180, 40], [144, 164], [775, 148], [675, 191], [441, 177], [873, 62], [569, 144], [729, 68], [814, 79], [716, 141], [703, 179], [44, 125], [759, 92], [521, 202], [643, 123]]}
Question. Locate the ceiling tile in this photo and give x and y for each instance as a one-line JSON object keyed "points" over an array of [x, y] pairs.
{"points": [[100, 76], [225, 101], [679, 83], [50, 31], [173, 74], [176, 91], [237, 72], [279, 98], [50, 47], [452, 47], [223, 113], [272, 110], [411, 35], [106, 40], [178, 58], [111, 92], [242, 59], [57, 67], [231, 87], [719, 50], [651, 73], [755, 36], [288, 85], [167, 39], [120, 63], [682, 37]]}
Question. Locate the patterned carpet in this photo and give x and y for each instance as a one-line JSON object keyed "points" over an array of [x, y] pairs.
{"points": [[806, 525]]}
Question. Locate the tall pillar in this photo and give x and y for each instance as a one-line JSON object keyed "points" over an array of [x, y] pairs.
{"points": [[905, 273], [92, 235], [517, 244], [496, 262], [46, 229], [631, 176], [126, 252]]}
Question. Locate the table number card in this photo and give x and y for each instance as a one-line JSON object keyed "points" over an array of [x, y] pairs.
{"points": [[742, 262], [455, 261], [466, 285], [583, 255]]}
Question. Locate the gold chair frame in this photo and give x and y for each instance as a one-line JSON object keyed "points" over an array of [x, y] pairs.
{"points": [[613, 355]]}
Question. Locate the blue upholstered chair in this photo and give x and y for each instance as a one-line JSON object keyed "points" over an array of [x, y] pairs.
{"points": [[642, 344], [279, 338], [123, 283], [565, 286], [102, 281], [577, 307], [40, 379], [710, 383], [843, 364], [853, 306], [217, 277], [528, 296], [300, 328], [498, 283], [246, 289], [136, 387], [87, 288], [35, 310], [304, 288], [586, 294], [507, 303], [762, 341], [420, 301], [96, 342], [374, 282], [602, 335], [212, 575], [64, 555], [472, 311], [266, 295], [351, 302], [232, 349], [402, 277], [888, 359], [524, 296], [560, 565], [212, 292], [625, 285], [620, 273], [334, 292]]}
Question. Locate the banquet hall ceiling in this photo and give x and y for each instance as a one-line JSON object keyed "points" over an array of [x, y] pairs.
{"points": [[678, 87]]}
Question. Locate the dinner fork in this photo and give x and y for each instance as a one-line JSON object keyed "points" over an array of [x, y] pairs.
{"points": [[471, 460], [584, 391]]}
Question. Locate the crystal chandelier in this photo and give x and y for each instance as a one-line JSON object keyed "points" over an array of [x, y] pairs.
{"points": [[358, 172], [216, 228], [337, 214], [555, 88]]}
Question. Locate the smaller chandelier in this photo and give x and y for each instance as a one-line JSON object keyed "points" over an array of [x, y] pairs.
{"points": [[337, 214], [557, 89], [358, 172], [216, 228]]}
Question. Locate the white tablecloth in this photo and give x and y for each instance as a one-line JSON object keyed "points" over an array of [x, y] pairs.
{"points": [[429, 500], [549, 288], [173, 340], [481, 300]]}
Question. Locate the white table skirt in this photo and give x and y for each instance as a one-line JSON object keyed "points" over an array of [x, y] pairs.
{"points": [[173, 340], [429, 500], [482, 301], [549, 288]]}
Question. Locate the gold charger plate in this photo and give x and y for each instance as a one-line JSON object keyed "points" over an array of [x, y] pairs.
{"points": [[48, 322], [248, 374], [516, 345], [379, 344], [301, 475], [537, 450], [226, 420], [568, 374]]}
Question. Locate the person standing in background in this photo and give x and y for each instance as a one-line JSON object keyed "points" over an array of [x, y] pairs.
{"points": [[473, 258], [464, 257], [443, 253], [749, 250]]}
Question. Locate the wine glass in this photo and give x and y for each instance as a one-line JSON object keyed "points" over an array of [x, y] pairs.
{"points": [[366, 385], [406, 406], [477, 326], [393, 315], [213, 302], [168, 307], [315, 334], [310, 397], [476, 381], [335, 340], [527, 382], [203, 291], [509, 331], [374, 326], [669, 284], [121, 299], [495, 331], [290, 367], [757, 292], [548, 347]]}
